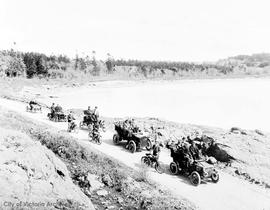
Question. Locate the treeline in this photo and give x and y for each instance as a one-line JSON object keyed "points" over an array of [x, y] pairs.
{"points": [[31, 64], [173, 66], [254, 60], [13, 63]]}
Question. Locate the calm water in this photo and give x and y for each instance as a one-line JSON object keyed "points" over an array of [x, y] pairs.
{"points": [[222, 103]]}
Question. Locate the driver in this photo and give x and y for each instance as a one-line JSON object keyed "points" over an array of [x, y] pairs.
{"points": [[194, 151], [58, 108], [187, 157]]}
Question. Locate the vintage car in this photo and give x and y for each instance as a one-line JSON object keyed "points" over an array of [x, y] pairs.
{"points": [[197, 171], [134, 141]]}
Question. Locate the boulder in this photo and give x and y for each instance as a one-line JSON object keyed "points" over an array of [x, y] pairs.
{"points": [[102, 192], [95, 184]]}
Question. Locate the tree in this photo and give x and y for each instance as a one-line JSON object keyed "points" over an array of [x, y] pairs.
{"points": [[76, 61], [29, 61], [41, 68], [109, 63]]}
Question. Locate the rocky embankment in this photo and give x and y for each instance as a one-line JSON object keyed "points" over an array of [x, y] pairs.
{"points": [[33, 177]]}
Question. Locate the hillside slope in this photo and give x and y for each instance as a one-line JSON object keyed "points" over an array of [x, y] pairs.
{"points": [[31, 176]]}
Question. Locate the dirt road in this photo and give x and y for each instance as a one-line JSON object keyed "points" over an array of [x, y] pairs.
{"points": [[229, 193]]}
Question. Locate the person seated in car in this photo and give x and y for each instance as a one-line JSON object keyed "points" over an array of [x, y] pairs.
{"points": [[58, 109], [187, 157], [52, 108], [88, 111], [32, 104], [87, 115], [95, 112], [194, 151]]}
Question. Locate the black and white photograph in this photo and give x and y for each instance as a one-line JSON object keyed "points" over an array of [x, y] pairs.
{"points": [[134, 105]]}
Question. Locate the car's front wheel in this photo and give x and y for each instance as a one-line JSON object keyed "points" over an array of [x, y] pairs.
{"points": [[195, 178], [148, 145], [116, 138], [158, 168], [215, 177], [132, 146], [174, 168]]}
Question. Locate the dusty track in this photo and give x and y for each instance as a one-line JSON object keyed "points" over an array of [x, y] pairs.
{"points": [[229, 193]]}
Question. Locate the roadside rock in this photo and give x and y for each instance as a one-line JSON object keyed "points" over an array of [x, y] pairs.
{"points": [[29, 172], [95, 184], [259, 132], [106, 179], [146, 194], [120, 200], [102, 192]]}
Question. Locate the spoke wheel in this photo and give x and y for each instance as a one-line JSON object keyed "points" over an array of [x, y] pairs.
{"points": [[215, 177], [174, 168], [195, 178], [116, 138], [158, 168], [132, 146], [145, 161], [148, 145]]}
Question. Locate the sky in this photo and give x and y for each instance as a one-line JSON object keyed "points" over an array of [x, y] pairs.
{"points": [[171, 30]]}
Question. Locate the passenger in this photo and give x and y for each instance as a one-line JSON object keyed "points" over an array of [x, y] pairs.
{"points": [[132, 126], [87, 115], [52, 109], [204, 148], [188, 160], [95, 112], [126, 124], [58, 108], [32, 103], [88, 111], [194, 151]]}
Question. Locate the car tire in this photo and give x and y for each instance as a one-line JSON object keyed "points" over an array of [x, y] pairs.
{"points": [[148, 145], [158, 168], [145, 161], [174, 168], [116, 138], [132, 146], [195, 178], [215, 177]]}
